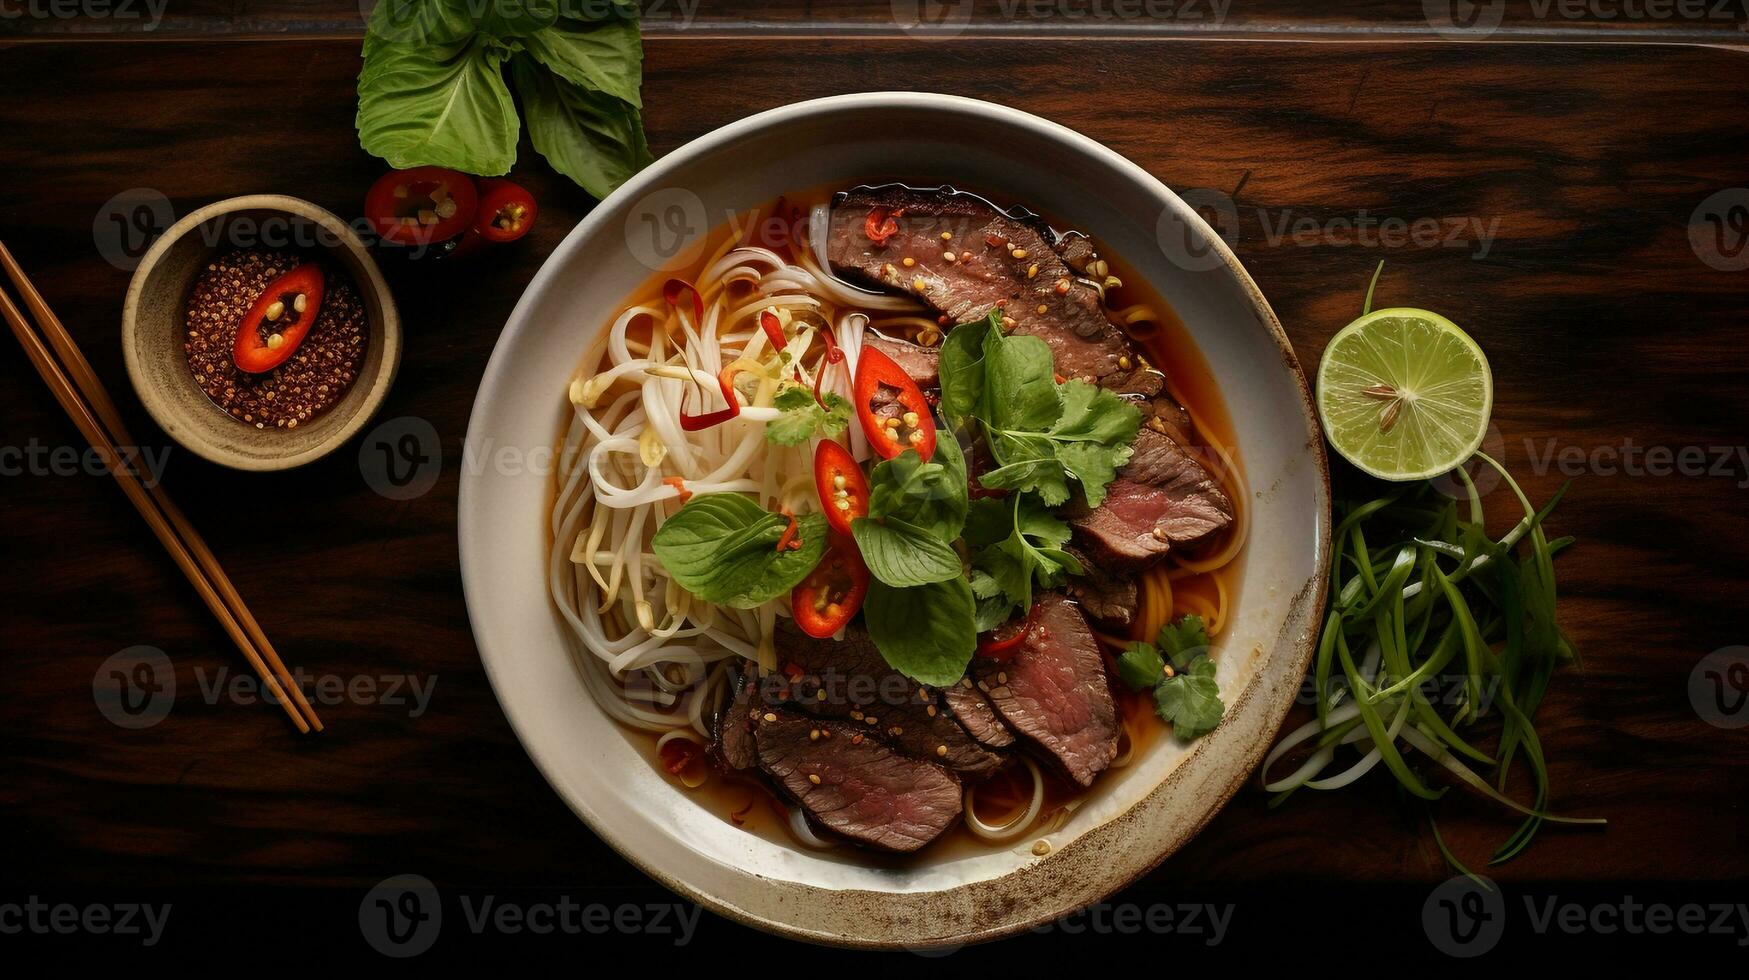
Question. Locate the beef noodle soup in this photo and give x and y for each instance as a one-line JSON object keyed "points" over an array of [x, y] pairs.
{"points": [[859, 511]]}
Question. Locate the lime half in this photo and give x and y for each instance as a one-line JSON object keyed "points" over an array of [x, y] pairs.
{"points": [[1404, 394]]}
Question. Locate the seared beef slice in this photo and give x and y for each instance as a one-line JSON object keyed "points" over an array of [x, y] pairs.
{"points": [[856, 785], [1053, 692]]}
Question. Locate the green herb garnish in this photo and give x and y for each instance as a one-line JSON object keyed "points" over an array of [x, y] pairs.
{"points": [[1187, 696], [803, 416], [1018, 543], [915, 513], [722, 547], [924, 631], [433, 93], [1042, 434]]}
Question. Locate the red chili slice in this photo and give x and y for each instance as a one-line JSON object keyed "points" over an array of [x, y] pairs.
{"points": [[675, 292], [693, 423], [773, 327], [833, 463], [421, 206], [505, 213], [265, 341], [788, 540], [1003, 642], [833, 592], [896, 431], [880, 226]]}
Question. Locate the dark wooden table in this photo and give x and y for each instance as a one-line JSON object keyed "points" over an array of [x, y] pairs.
{"points": [[1586, 233]]}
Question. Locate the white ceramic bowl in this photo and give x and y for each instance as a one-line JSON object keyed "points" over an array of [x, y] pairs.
{"points": [[1137, 815]]}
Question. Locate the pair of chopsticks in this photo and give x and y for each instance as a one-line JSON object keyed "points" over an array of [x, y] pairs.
{"points": [[89, 406]]}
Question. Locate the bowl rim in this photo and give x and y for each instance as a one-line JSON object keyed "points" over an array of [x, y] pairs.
{"points": [[167, 413], [1301, 634]]}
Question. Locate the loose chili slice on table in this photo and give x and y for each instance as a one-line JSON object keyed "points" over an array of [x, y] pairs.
{"points": [[843, 489], [280, 319], [833, 592], [506, 211], [422, 206], [893, 412]]}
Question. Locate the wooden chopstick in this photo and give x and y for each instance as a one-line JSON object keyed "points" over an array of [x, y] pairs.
{"points": [[167, 522]]}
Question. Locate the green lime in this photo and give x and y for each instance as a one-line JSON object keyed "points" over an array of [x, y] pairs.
{"points": [[1404, 394]]}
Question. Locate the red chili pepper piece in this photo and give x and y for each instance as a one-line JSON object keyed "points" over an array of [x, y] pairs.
{"points": [[679, 486], [787, 540], [693, 423], [407, 207], [505, 213], [880, 226], [833, 592], [675, 291], [1003, 642], [773, 327], [832, 461], [875, 373], [265, 343]]}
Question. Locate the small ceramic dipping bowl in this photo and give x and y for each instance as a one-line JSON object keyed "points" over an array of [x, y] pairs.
{"points": [[153, 331]]}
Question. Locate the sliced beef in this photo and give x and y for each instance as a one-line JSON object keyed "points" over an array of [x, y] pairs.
{"points": [[733, 724], [1161, 498], [999, 258], [855, 784], [973, 711], [920, 364], [1054, 693], [1106, 595], [850, 680]]}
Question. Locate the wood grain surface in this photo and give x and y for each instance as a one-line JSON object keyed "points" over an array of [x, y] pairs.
{"points": [[1563, 181], [1722, 21]]}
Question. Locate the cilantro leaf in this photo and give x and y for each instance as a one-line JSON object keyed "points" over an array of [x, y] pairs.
{"points": [[1140, 666], [1191, 700], [1190, 697], [802, 416], [1041, 433], [1029, 550], [1184, 641]]}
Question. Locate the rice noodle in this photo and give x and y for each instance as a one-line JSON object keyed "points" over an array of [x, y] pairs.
{"points": [[652, 656]]}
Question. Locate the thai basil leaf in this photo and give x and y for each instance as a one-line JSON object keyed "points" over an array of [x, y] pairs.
{"points": [[926, 632], [903, 554], [722, 547], [595, 139], [442, 105]]}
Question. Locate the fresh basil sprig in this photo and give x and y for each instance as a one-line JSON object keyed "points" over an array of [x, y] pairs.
{"points": [[920, 611], [722, 547], [915, 513], [924, 632], [433, 93]]}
